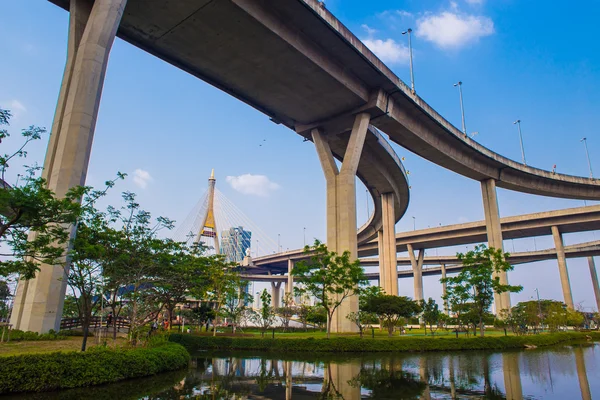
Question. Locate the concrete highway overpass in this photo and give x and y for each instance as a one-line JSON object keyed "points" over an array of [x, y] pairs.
{"points": [[296, 63]]}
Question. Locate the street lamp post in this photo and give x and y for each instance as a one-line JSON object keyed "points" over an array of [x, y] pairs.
{"points": [[412, 76], [462, 108], [414, 223], [305, 236], [279, 242], [587, 153], [518, 123]]}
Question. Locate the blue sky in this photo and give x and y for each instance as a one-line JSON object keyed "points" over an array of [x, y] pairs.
{"points": [[535, 61]]}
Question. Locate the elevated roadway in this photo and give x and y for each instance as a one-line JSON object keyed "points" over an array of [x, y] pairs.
{"points": [[452, 264], [297, 63], [568, 220]]}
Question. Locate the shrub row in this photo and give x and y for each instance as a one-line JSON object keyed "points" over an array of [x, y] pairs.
{"points": [[43, 372], [353, 344], [18, 335]]}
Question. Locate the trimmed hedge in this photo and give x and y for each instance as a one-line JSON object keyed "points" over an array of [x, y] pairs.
{"points": [[60, 370], [16, 335], [356, 345]]}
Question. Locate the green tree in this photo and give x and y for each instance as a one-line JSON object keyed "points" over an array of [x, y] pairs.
{"points": [[302, 311], [5, 296], [221, 280], [287, 311], [329, 277], [234, 306], [431, 314], [203, 314], [363, 318], [317, 315], [476, 283], [34, 224], [265, 316], [390, 309]]}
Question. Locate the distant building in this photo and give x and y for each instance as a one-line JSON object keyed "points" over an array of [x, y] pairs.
{"points": [[234, 243]]}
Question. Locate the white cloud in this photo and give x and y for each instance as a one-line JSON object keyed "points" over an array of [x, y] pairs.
{"points": [[403, 13], [258, 185], [453, 30], [15, 107], [388, 50], [141, 178], [370, 31]]}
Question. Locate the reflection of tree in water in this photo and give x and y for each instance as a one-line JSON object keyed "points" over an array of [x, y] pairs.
{"points": [[387, 383]]}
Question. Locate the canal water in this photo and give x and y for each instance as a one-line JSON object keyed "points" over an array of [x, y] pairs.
{"points": [[565, 372]]}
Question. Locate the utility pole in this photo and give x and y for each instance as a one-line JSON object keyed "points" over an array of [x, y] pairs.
{"points": [[518, 123], [462, 108], [412, 76], [587, 153]]}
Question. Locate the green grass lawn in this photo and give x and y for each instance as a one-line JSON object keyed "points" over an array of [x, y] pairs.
{"points": [[46, 346]]}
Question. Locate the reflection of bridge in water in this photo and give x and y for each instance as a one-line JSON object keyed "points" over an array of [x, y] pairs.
{"points": [[389, 376]]}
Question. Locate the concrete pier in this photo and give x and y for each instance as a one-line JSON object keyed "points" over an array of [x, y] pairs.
{"points": [[594, 276], [341, 205], [92, 29], [444, 289], [417, 267], [289, 287], [388, 266], [494, 235], [562, 267], [276, 294]]}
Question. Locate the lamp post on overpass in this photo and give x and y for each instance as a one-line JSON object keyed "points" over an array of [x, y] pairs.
{"points": [[587, 153], [462, 108], [518, 123], [412, 76]]}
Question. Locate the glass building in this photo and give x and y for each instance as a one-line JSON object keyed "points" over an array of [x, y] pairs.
{"points": [[234, 243]]}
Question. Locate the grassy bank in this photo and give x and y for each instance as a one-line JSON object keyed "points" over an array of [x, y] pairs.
{"points": [[62, 370], [396, 344]]}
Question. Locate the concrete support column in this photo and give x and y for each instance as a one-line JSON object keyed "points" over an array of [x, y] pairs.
{"points": [[289, 287], [388, 257], [494, 235], [276, 294], [444, 289], [417, 267], [341, 205], [92, 29], [595, 281], [382, 271], [562, 267]]}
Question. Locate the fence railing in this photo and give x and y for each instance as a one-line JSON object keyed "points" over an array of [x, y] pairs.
{"points": [[74, 323]]}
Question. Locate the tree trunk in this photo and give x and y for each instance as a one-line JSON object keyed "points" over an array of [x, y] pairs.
{"points": [[390, 329], [86, 330], [481, 327], [329, 324]]}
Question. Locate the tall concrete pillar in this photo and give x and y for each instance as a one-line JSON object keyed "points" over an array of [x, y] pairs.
{"points": [[289, 287], [382, 271], [417, 267], [444, 289], [92, 29], [595, 281], [388, 265], [562, 267], [276, 294], [341, 205], [494, 235]]}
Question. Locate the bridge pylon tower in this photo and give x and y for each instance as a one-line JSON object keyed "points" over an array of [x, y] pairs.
{"points": [[208, 228]]}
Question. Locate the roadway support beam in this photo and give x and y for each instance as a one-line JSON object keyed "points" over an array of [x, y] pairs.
{"points": [[341, 205], [494, 235], [92, 29], [594, 281], [562, 267], [444, 289], [388, 264], [276, 294], [417, 267]]}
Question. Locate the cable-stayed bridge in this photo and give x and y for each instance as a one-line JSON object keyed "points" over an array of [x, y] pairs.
{"points": [[223, 228]]}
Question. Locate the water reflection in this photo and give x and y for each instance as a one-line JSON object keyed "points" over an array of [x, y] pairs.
{"points": [[556, 373]]}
